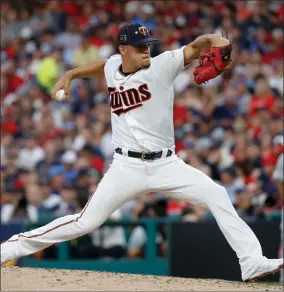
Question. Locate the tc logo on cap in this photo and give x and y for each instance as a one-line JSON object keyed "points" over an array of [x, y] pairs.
{"points": [[143, 30]]}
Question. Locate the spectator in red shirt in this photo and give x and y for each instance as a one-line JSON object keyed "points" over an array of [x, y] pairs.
{"points": [[263, 98], [14, 81]]}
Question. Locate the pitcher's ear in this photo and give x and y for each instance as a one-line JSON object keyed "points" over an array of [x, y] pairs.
{"points": [[122, 50]]}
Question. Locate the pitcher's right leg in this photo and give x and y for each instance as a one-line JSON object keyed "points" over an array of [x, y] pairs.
{"points": [[119, 184], [175, 178]]}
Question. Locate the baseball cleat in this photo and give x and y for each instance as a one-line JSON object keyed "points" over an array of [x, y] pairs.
{"points": [[269, 267]]}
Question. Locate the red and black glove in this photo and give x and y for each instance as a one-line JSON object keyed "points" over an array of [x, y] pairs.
{"points": [[212, 63]]}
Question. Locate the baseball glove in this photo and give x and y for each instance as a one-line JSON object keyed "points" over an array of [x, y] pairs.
{"points": [[212, 63]]}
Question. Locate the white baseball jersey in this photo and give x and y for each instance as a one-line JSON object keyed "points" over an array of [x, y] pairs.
{"points": [[142, 102]]}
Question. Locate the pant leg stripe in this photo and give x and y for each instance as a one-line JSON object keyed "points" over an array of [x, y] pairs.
{"points": [[63, 224]]}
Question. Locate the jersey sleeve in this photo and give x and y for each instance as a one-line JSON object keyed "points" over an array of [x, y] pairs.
{"points": [[168, 65], [111, 64]]}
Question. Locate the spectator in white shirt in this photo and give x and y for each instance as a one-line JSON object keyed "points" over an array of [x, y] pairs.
{"points": [[25, 206], [31, 154]]}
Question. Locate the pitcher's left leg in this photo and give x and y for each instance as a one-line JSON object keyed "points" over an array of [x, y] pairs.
{"points": [[178, 179]]}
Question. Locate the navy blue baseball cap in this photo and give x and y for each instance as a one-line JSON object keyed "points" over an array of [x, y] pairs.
{"points": [[134, 34]]}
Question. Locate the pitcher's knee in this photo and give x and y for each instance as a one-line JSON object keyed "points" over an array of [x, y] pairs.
{"points": [[87, 225], [218, 190], [84, 226], [220, 197], [221, 190]]}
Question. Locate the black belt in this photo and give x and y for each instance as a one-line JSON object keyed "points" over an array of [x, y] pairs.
{"points": [[144, 155]]}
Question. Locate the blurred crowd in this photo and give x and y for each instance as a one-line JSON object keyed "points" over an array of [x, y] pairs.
{"points": [[53, 154]]}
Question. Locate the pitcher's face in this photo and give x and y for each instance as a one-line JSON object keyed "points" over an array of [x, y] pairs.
{"points": [[139, 55]]}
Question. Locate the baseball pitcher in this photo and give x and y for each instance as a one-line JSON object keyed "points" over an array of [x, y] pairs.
{"points": [[141, 99]]}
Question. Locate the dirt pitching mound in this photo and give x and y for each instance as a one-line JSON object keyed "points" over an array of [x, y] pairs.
{"points": [[29, 279]]}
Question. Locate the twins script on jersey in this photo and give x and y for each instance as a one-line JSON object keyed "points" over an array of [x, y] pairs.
{"points": [[142, 103]]}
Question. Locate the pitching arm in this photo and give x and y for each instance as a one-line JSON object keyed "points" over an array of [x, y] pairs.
{"points": [[202, 43], [94, 69]]}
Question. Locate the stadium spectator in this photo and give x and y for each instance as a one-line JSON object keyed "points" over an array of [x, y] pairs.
{"points": [[30, 154], [152, 206], [66, 167], [28, 206], [85, 53], [231, 183], [48, 71]]}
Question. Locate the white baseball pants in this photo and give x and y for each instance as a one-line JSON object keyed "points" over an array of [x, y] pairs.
{"points": [[128, 178]]}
